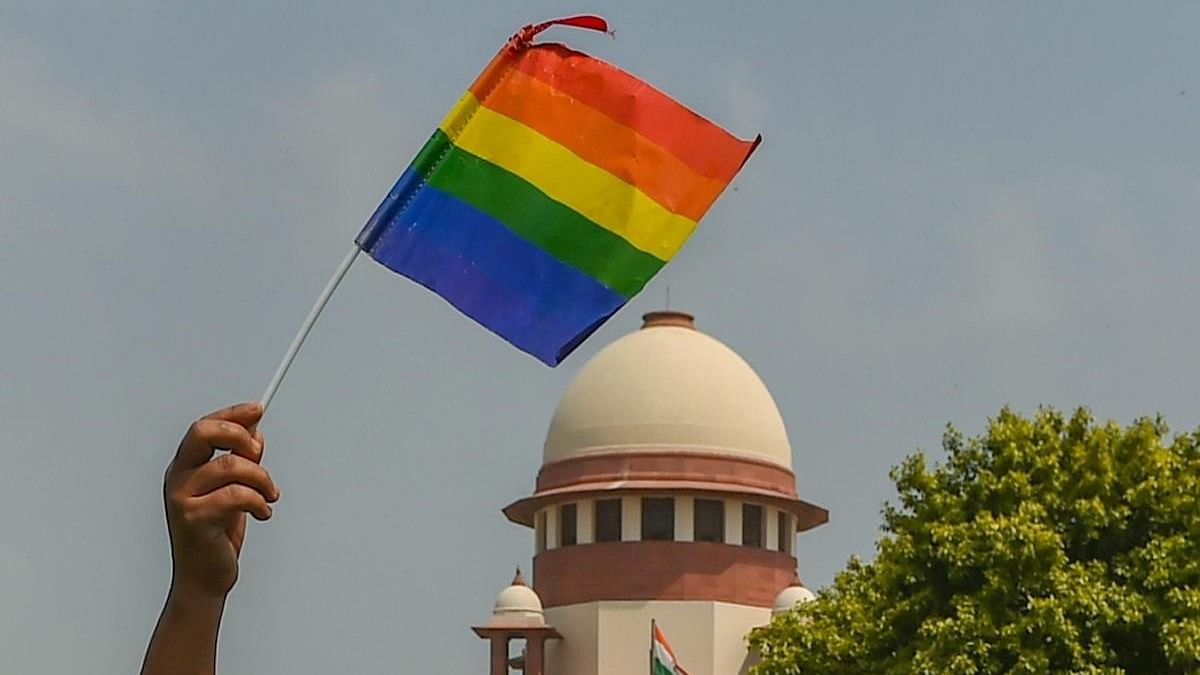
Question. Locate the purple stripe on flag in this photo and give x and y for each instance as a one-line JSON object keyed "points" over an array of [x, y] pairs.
{"points": [[540, 305]]}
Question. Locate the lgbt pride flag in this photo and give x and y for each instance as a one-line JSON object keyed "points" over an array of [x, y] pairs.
{"points": [[551, 193]]}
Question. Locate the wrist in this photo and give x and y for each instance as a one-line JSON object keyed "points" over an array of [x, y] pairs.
{"points": [[194, 598], [185, 639]]}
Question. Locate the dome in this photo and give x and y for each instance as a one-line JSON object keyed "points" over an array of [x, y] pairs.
{"points": [[518, 601], [790, 597], [667, 387]]}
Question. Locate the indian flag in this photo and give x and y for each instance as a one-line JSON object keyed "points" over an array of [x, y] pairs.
{"points": [[662, 658]]}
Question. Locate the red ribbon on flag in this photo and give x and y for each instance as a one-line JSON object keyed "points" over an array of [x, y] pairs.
{"points": [[523, 37]]}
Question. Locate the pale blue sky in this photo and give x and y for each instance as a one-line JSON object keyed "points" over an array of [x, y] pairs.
{"points": [[957, 206]]}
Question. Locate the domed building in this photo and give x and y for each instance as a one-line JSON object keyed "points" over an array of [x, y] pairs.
{"points": [[666, 494]]}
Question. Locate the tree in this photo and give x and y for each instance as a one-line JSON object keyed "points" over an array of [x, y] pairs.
{"points": [[1046, 545]]}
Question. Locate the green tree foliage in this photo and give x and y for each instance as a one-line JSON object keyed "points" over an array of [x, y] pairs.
{"points": [[1046, 545]]}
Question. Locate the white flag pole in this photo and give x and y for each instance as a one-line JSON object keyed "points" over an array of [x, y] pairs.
{"points": [[306, 327]]}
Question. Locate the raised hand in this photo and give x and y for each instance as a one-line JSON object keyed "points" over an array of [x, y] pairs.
{"points": [[207, 498]]}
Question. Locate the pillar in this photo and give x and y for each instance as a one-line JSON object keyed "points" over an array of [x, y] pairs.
{"points": [[499, 655], [535, 650]]}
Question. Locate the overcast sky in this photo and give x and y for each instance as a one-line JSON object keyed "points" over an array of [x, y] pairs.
{"points": [[956, 207]]}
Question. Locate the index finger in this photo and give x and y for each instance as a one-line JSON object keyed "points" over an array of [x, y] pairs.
{"points": [[245, 414], [195, 450]]}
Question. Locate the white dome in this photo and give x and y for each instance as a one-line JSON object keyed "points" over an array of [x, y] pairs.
{"points": [[666, 387], [790, 597], [518, 600]]}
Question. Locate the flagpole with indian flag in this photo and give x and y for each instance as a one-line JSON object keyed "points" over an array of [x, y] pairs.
{"points": [[662, 657]]}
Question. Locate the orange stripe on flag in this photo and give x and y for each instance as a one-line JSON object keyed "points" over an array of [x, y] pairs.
{"points": [[601, 140], [705, 147], [662, 640]]}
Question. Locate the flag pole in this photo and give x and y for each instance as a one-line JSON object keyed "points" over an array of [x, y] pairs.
{"points": [[306, 327], [651, 646]]}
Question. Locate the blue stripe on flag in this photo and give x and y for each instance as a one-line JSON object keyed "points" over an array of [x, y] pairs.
{"points": [[539, 304]]}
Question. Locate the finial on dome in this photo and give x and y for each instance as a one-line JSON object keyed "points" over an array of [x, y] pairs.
{"points": [[517, 605], [668, 317]]}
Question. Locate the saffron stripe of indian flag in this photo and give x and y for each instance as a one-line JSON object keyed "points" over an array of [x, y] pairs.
{"points": [[662, 657]]}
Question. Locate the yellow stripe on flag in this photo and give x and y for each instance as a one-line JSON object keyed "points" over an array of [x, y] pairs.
{"points": [[567, 178]]}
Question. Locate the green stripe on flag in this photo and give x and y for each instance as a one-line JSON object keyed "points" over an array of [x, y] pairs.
{"points": [[556, 229], [661, 668]]}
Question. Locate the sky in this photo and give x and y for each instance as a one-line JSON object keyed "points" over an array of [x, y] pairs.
{"points": [[958, 206]]}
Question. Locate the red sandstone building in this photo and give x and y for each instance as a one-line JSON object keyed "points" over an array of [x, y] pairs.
{"points": [[666, 493]]}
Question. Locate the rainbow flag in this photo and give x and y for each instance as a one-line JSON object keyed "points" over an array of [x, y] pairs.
{"points": [[551, 193]]}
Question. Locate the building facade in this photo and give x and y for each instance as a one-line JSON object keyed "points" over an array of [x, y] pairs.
{"points": [[666, 493]]}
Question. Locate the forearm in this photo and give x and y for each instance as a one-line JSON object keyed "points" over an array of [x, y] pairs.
{"points": [[185, 639]]}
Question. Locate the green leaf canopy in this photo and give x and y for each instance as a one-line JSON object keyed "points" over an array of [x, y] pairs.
{"points": [[1045, 545]]}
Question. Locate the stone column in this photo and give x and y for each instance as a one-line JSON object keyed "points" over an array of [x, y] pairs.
{"points": [[535, 650], [499, 655]]}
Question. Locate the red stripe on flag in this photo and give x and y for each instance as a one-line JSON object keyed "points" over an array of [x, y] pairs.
{"points": [[707, 148]]}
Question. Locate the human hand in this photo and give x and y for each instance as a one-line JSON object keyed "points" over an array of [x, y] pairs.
{"points": [[207, 499]]}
